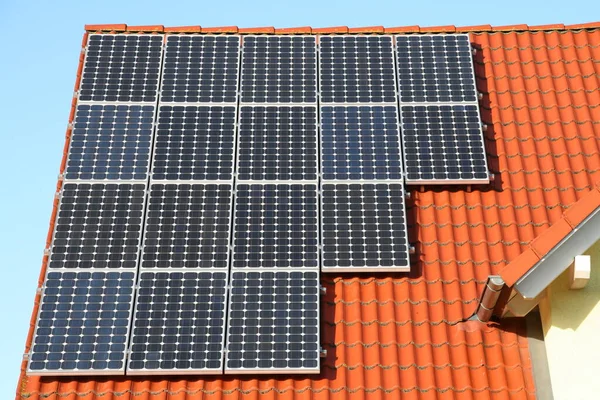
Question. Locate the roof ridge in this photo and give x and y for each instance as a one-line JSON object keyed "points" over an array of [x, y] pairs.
{"points": [[119, 28]]}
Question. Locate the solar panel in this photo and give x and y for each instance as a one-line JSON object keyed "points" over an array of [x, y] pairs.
{"points": [[279, 69], [179, 323], [273, 322], [277, 143], [83, 323], [356, 69], [110, 142], [435, 68], [364, 227], [187, 226], [360, 142], [275, 226], [194, 143], [443, 144], [98, 226], [121, 68], [200, 69]]}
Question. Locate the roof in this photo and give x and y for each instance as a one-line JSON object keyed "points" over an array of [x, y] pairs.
{"points": [[408, 334]]}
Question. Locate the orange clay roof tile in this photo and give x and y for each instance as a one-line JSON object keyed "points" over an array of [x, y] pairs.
{"points": [[220, 29], [519, 266], [305, 30], [439, 29], [583, 208], [333, 29], [184, 29], [551, 27], [510, 28], [589, 25], [403, 335], [474, 28], [146, 28], [265, 29], [107, 27], [367, 29], [403, 29]]}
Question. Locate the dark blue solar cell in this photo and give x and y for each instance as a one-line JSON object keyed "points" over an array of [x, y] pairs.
{"points": [[356, 69], [80, 329], [194, 143], [187, 226], [364, 227], [435, 68], [110, 142], [277, 143], [360, 143], [275, 226], [443, 143], [200, 69], [121, 68], [279, 69], [274, 322], [98, 226], [179, 323]]}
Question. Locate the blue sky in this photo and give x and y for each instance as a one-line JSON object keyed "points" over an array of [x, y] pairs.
{"points": [[38, 61]]}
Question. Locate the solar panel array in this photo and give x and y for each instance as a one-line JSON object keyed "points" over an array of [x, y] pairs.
{"points": [[179, 317], [273, 308], [210, 179], [441, 129], [85, 312], [360, 152]]}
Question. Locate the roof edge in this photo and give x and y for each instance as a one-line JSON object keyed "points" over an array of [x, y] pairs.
{"points": [[23, 378], [552, 237], [117, 28], [548, 255]]}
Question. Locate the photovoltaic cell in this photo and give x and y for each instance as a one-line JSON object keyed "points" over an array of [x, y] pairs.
{"points": [[110, 142], [279, 69], [98, 226], [275, 226], [356, 69], [360, 142], [200, 69], [273, 322], [187, 226], [194, 143], [83, 323], [121, 68], [364, 227], [277, 143], [443, 143], [435, 68], [179, 323]]}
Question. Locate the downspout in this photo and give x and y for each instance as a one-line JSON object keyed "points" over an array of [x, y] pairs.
{"points": [[489, 298]]}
